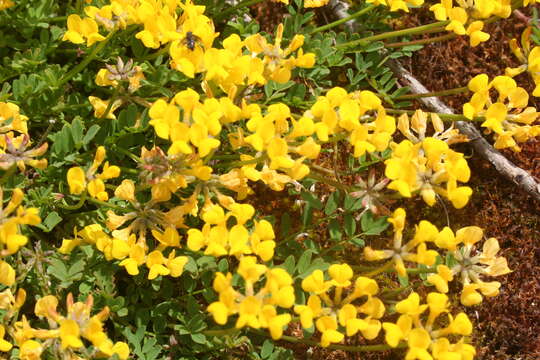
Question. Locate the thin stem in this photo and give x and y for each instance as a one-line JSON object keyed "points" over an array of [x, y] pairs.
{"points": [[328, 181], [221, 332], [106, 204], [55, 19], [342, 21], [422, 41], [128, 154], [444, 117], [379, 270], [321, 169], [453, 91], [77, 69], [77, 206], [232, 9], [242, 163], [391, 34], [111, 103]]}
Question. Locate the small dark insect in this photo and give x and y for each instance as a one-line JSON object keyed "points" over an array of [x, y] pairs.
{"points": [[191, 40]]}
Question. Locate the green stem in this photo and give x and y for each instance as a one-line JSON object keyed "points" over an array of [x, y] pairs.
{"points": [[386, 267], [328, 181], [444, 117], [128, 154], [391, 34], [77, 69], [232, 9], [226, 157], [453, 91], [242, 163], [221, 332], [106, 204], [422, 41], [321, 169], [127, 171], [360, 348], [55, 19], [344, 20], [110, 104], [77, 206]]}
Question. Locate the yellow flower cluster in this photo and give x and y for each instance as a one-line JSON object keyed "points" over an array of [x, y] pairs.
{"points": [[132, 251], [218, 240], [425, 163], [257, 306], [167, 173], [529, 58], [115, 76], [11, 240], [65, 331], [13, 149], [349, 311], [509, 117], [470, 265], [79, 180], [191, 36], [339, 111], [466, 17], [130, 244], [425, 341], [415, 250]]}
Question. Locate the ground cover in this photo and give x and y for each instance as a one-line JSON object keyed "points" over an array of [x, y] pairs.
{"points": [[209, 179]]}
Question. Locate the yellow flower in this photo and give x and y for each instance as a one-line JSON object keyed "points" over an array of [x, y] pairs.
{"points": [[315, 3], [69, 333], [5, 4], [102, 106], [7, 274], [79, 180], [4, 345], [81, 30]]}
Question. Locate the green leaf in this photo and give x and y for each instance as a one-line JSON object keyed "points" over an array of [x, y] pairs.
{"points": [[50, 221], [332, 203], [311, 200], [77, 129], [307, 216], [371, 225], [90, 134], [304, 261], [289, 264], [334, 228], [199, 338], [358, 241], [285, 224], [352, 203], [350, 224], [267, 349], [403, 280], [374, 46]]}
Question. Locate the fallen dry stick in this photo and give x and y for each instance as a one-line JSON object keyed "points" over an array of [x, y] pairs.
{"points": [[517, 175]]}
